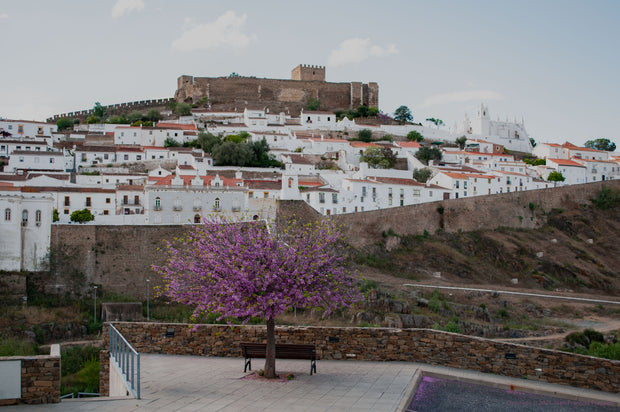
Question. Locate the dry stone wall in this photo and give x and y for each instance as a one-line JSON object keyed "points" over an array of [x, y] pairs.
{"points": [[40, 379], [383, 344]]}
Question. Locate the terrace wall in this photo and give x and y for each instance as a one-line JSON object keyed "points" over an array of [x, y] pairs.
{"points": [[383, 344]]}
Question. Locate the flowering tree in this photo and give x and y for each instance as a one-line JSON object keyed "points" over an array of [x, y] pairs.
{"points": [[243, 270]]}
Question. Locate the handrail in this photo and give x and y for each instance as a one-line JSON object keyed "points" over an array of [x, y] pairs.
{"points": [[126, 358]]}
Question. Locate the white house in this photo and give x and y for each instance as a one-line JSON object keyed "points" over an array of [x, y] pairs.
{"points": [[550, 150], [597, 170], [94, 155], [27, 128], [38, 160], [25, 224], [317, 119], [573, 172], [8, 146]]}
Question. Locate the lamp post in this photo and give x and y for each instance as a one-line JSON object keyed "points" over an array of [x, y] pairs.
{"points": [[148, 291], [95, 307]]}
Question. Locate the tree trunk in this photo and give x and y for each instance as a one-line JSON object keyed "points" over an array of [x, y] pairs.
{"points": [[270, 354]]}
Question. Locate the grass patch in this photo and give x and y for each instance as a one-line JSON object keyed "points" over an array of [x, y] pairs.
{"points": [[17, 347]]}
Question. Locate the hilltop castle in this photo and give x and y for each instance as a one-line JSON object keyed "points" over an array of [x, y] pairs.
{"points": [[235, 93]]}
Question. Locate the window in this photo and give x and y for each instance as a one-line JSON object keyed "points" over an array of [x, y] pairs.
{"points": [[216, 204], [24, 218], [37, 217], [196, 218], [138, 157], [266, 195], [106, 212], [66, 212], [125, 199], [7, 214], [157, 203], [126, 157], [20, 129], [321, 197], [21, 159], [334, 198], [88, 202], [136, 200], [67, 201], [105, 156], [251, 195], [107, 200], [51, 160]]}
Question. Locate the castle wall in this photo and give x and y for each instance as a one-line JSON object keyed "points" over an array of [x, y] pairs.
{"points": [[119, 258], [289, 96]]}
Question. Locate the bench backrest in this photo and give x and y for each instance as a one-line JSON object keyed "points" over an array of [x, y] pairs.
{"points": [[283, 350]]}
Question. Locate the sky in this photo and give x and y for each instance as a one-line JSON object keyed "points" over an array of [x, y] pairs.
{"points": [[552, 63]]}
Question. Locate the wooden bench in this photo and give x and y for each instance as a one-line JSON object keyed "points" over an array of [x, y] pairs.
{"points": [[283, 351]]}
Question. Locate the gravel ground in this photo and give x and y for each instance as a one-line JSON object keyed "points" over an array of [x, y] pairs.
{"points": [[436, 394]]}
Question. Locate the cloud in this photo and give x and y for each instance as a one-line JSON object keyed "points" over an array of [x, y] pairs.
{"points": [[4, 16], [126, 6], [226, 31], [356, 50], [458, 97]]}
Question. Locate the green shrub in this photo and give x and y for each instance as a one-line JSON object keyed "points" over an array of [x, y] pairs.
{"points": [[607, 199], [17, 347]]}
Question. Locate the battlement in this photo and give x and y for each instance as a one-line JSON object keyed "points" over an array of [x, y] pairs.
{"points": [[305, 72]]}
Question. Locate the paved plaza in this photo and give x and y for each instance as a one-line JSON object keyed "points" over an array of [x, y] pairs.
{"points": [[192, 383]]}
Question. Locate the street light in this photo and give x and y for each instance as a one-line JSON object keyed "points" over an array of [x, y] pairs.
{"points": [[95, 303], [148, 288]]}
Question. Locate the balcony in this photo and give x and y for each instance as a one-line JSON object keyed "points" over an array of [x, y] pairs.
{"points": [[177, 208], [217, 208], [197, 208], [157, 207]]}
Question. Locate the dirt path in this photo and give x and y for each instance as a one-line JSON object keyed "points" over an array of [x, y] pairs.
{"points": [[600, 324]]}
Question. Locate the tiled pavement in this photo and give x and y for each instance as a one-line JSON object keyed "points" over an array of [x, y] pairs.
{"points": [[190, 383]]}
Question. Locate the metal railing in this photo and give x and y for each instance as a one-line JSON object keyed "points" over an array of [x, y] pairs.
{"points": [[127, 359]]}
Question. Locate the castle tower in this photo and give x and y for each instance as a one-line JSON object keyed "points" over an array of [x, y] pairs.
{"points": [[308, 73]]}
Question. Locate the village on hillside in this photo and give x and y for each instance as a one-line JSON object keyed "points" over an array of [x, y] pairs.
{"points": [[175, 167]]}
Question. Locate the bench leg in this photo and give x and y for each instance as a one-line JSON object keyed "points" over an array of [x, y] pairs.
{"points": [[248, 364]]}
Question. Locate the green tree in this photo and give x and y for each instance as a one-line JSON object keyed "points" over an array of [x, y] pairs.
{"points": [[118, 120], [134, 116], [153, 115], [403, 115], [231, 154], [313, 104], [92, 120], [365, 135], [461, 141], [170, 142], [82, 216], [424, 154], [207, 141], [379, 157], [64, 123], [415, 136], [99, 111], [539, 162], [601, 144], [422, 175], [55, 217], [437, 122], [183, 109], [556, 176]]}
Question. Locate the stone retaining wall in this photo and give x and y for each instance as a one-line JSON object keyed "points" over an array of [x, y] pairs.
{"points": [[384, 344], [40, 378]]}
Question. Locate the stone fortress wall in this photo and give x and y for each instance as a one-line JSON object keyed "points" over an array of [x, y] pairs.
{"points": [[119, 258], [278, 95], [116, 109]]}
